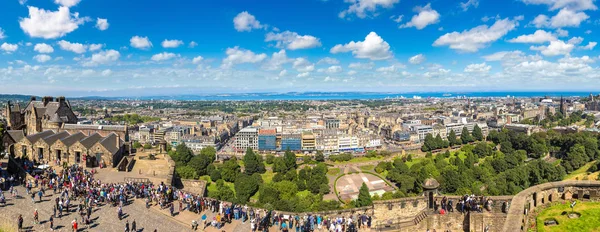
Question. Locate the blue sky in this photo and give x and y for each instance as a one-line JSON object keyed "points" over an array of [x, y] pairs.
{"points": [[134, 47]]}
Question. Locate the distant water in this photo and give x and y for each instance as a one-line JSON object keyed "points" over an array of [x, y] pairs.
{"points": [[359, 96]]}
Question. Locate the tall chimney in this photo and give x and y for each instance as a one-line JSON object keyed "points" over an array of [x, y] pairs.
{"points": [[46, 100]]}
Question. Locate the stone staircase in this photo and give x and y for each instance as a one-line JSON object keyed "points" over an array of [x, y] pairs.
{"points": [[405, 223]]}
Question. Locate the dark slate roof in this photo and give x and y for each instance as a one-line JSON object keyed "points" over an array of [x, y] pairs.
{"points": [[16, 135], [35, 137], [95, 127], [110, 143], [52, 138], [70, 140], [91, 140]]}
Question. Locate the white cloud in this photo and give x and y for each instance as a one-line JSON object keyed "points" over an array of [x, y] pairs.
{"points": [[163, 56], [197, 59], [555, 48], [478, 68], [588, 32], [292, 40], [67, 3], [42, 58], [246, 22], [568, 4], [417, 59], [9, 48], [73, 47], [564, 18], [469, 3], [397, 19], [102, 24], [2, 35], [362, 8], [171, 43], [328, 60], [576, 60], [511, 58], [22, 2], [140, 42], [426, 16], [95, 47], [589, 46], [352, 72], [477, 37], [43, 48], [303, 65], [278, 59], [50, 24], [237, 55], [575, 40], [359, 65], [283, 73], [540, 36], [103, 57], [106, 72], [389, 69], [331, 69], [304, 74], [562, 33], [373, 47], [193, 44]]}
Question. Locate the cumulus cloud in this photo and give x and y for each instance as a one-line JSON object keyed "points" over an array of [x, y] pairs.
{"points": [[564, 18], [417, 59], [576, 5], [197, 59], [43, 48], [140, 42], [2, 35], [292, 40], [67, 3], [478, 37], [246, 22], [237, 55], [589, 46], [389, 69], [95, 47], [171, 43], [102, 24], [426, 16], [278, 59], [373, 47], [540, 36], [363, 8], [106, 72], [42, 58], [9, 48], [575, 40], [50, 24], [103, 57], [478, 68], [193, 44], [73, 47], [555, 48], [331, 69], [303, 65], [283, 73], [304, 74], [163, 56], [365, 66]]}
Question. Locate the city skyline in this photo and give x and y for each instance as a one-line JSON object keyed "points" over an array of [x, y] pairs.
{"points": [[113, 48]]}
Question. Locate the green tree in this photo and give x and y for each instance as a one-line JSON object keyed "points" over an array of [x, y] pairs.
{"points": [[364, 197], [200, 163], [252, 164], [215, 175], [230, 170], [320, 157], [452, 138], [482, 149], [477, 133], [245, 187], [279, 165], [209, 152], [270, 159], [465, 136], [182, 155], [147, 146], [137, 145], [290, 159], [186, 172]]}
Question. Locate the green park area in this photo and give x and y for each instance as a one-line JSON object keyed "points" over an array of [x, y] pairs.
{"points": [[587, 219]]}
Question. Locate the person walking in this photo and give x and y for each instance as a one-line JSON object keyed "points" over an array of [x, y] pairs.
{"points": [[133, 226], [36, 219], [20, 222], [51, 220], [127, 226]]}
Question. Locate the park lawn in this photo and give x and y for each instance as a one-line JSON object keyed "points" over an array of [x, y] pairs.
{"points": [[589, 220], [212, 186], [267, 176], [361, 160], [581, 172], [333, 171], [368, 167], [414, 161]]}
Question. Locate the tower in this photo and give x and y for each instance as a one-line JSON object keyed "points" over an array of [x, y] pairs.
{"points": [[563, 107]]}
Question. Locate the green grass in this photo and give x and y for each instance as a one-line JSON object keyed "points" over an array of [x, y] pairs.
{"points": [[589, 220], [414, 161], [582, 170], [360, 160], [368, 167], [212, 186], [333, 171], [267, 176]]}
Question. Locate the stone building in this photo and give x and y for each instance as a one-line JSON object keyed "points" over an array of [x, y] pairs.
{"points": [[38, 116]]}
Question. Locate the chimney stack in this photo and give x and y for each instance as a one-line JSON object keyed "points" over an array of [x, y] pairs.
{"points": [[46, 100], [32, 98], [60, 100]]}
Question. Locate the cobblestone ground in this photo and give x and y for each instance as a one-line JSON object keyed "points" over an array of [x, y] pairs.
{"points": [[104, 218]]}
